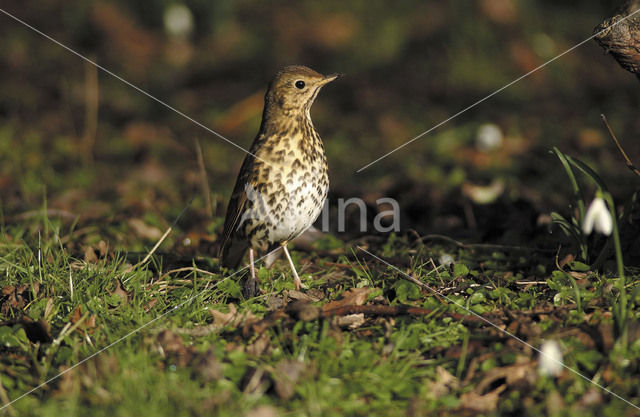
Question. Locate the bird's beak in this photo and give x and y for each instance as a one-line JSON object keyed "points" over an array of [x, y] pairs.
{"points": [[330, 77]]}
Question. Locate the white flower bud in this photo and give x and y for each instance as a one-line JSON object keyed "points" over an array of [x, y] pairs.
{"points": [[550, 358], [178, 21], [598, 217]]}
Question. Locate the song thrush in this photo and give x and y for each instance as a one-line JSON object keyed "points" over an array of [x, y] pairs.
{"points": [[283, 182]]}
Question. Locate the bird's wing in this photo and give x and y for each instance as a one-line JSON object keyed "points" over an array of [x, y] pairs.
{"points": [[234, 213], [231, 250]]}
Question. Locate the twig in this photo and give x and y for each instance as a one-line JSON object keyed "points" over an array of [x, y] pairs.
{"points": [[157, 245], [488, 246], [187, 269], [395, 310], [624, 154], [164, 236], [204, 182]]}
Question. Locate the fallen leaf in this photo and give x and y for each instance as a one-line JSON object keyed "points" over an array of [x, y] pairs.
{"points": [[17, 297], [221, 319], [90, 255], [519, 376], [103, 248], [207, 365], [303, 310], [352, 297], [143, 230], [120, 292], [232, 318], [88, 323], [286, 376], [299, 295], [352, 321], [566, 260], [48, 309], [275, 302], [263, 411], [444, 383], [259, 346], [482, 402], [152, 303]]}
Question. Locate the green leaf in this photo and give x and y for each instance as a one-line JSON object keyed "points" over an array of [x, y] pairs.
{"points": [[406, 291], [579, 266], [231, 287], [477, 298], [460, 270]]}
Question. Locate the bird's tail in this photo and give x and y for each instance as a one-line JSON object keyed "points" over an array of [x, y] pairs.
{"points": [[232, 252]]}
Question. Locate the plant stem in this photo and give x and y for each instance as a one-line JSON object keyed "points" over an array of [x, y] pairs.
{"points": [[622, 301]]}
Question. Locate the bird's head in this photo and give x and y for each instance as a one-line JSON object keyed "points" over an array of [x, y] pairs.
{"points": [[293, 90]]}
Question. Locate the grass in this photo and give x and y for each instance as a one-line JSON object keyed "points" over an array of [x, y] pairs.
{"points": [[192, 362], [81, 204]]}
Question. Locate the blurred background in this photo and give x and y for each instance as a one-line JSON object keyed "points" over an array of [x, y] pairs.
{"points": [[115, 164]]}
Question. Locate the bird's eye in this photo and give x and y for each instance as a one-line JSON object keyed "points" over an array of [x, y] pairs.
{"points": [[300, 84]]}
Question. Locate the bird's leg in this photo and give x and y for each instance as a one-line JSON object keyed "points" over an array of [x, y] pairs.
{"points": [[250, 287], [251, 262], [296, 278]]}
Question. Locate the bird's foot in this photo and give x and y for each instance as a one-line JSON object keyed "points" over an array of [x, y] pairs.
{"points": [[250, 288]]}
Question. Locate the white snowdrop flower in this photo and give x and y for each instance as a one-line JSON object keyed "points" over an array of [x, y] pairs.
{"points": [[598, 217], [446, 259], [178, 20], [550, 358], [488, 137]]}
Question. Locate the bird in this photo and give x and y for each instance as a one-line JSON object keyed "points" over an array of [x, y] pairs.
{"points": [[283, 181]]}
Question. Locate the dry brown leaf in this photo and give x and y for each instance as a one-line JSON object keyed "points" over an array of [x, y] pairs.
{"points": [[170, 342], [152, 303], [103, 248], [299, 295], [13, 297], [352, 321], [444, 383], [263, 411], [48, 308], [566, 260], [143, 230], [90, 255], [481, 402], [275, 302], [259, 346], [232, 318], [221, 319], [518, 376], [303, 310], [87, 324], [207, 365], [352, 297], [578, 275], [285, 377], [120, 292]]}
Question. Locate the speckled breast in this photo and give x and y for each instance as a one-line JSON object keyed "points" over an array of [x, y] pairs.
{"points": [[291, 192]]}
